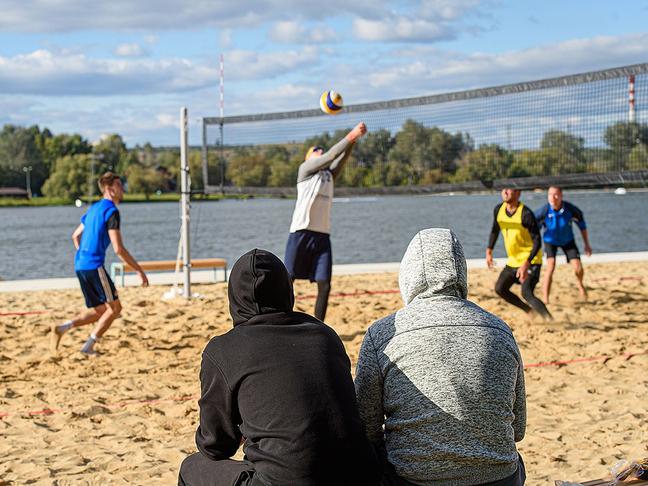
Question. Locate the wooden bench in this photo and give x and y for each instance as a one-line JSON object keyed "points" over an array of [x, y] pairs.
{"points": [[160, 265]]}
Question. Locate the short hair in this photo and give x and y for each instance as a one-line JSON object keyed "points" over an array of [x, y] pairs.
{"points": [[313, 149], [107, 180], [556, 187]]}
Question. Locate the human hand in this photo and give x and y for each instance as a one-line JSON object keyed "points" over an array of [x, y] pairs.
{"points": [[588, 250], [523, 271], [143, 278], [358, 131], [489, 258]]}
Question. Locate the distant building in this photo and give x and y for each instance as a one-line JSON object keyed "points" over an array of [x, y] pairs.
{"points": [[14, 192]]}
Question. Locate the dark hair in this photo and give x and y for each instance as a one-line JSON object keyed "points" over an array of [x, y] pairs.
{"points": [[556, 187], [107, 180]]}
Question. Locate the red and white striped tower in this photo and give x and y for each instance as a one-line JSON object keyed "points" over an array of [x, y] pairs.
{"points": [[222, 85], [631, 98]]}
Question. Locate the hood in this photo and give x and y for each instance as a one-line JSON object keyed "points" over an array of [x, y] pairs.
{"points": [[258, 284], [434, 264]]}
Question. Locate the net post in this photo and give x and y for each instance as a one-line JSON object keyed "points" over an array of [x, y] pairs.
{"points": [[205, 170], [184, 202]]}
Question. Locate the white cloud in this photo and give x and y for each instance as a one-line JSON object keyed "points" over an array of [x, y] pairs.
{"points": [[402, 29], [43, 72], [293, 32], [130, 50], [73, 15]]}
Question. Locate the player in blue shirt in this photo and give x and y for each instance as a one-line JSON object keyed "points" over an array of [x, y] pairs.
{"points": [[98, 229], [556, 217]]}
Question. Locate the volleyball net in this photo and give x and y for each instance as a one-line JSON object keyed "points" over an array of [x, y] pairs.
{"points": [[590, 126]]}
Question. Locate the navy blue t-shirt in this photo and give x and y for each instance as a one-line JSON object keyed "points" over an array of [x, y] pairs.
{"points": [[558, 224], [102, 216]]}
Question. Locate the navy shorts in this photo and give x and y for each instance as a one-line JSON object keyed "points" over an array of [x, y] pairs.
{"points": [[97, 287], [309, 256], [570, 249]]}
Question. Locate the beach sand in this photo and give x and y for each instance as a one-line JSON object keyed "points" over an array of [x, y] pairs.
{"points": [[129, 415]]}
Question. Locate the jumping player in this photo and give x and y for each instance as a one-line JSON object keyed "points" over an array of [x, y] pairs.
{"points": [[99, 228], [522, 242], [557, 216], [308, 251]]}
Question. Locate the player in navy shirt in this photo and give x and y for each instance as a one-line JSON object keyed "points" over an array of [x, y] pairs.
{"points": [[99, 228], [557, 217]]}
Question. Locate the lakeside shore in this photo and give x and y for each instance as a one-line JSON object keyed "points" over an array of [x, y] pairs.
{"points": [[130, 415]]}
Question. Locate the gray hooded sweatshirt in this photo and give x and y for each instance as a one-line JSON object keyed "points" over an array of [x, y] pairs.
{"points": [[442, 376]]}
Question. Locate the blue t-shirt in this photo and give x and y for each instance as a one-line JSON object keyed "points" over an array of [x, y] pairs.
{"points": [[557, 223], [94, 239]]}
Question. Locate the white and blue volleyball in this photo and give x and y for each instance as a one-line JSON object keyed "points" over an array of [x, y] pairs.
{"points": [[331, 102]]}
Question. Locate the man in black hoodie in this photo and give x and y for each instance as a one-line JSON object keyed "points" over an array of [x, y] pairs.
{"points": [[279, 382]]}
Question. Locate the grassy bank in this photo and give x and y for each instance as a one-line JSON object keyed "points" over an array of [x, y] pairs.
{"points": [[128, 198]]}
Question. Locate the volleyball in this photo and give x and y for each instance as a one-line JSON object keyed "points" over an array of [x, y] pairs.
{"points": [[331, 102]]}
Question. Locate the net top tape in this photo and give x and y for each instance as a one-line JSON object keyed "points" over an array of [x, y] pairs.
{"points": [[570, 80]]}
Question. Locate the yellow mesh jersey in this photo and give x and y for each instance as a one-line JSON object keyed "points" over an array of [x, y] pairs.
{"points": [[517, 239]]}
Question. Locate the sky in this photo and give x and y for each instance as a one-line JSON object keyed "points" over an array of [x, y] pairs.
{"points": [[98, 67]]}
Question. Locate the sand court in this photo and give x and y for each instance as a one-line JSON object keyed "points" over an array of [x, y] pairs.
{"points": [[129, 416]]}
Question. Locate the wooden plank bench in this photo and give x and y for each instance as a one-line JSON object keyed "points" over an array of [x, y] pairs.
{"points": [[122, 268]]}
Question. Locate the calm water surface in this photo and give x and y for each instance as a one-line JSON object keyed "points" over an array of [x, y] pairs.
{"points": [[35, 242]]}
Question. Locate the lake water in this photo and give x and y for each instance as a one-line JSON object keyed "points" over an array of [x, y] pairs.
{"points": [[36, 243]]}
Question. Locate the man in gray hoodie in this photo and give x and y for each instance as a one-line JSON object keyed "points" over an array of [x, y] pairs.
{"points": [[440, 383]]}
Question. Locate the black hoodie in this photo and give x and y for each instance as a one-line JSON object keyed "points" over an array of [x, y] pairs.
{"points": [[282, 380]]}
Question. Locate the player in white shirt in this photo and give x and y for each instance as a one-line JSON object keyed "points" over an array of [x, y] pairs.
{"points": [[308, 251]]}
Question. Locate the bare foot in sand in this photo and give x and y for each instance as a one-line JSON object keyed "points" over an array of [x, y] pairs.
{"points": [[55, 337]]}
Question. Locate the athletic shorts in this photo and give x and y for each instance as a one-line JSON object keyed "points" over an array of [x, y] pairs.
{"points": [[509, 275], [570, 249], [309, 256], [97, 287]]}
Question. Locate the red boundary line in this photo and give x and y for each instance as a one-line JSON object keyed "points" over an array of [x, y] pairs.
{"points": [[184, 398], [353, 294]]}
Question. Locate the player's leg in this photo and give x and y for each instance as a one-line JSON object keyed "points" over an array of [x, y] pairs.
{"points": [[105, 288], [323, 268], [93, 301], [321, 304], [573, 257], [550, 266], [503, 288], [528, 287]]}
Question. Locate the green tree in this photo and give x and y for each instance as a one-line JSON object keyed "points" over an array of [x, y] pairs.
{"points": [[248, 168], [563, 152], [638, 158], [487, 163], [427, 148], [111, 154], [283, 167], [70, 177], [622, 138], [144, 180], [19, 148], [56, 146]]}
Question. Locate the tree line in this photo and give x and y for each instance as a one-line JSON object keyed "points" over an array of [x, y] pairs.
{"points": [[63, 165]]}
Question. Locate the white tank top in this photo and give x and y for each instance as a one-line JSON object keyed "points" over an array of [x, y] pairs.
{"points": [[313, 206]]}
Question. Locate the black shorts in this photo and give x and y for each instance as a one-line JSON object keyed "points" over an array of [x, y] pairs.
{"points": [[309, 256], [570, 249], [97, 287], [510, 274]]}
